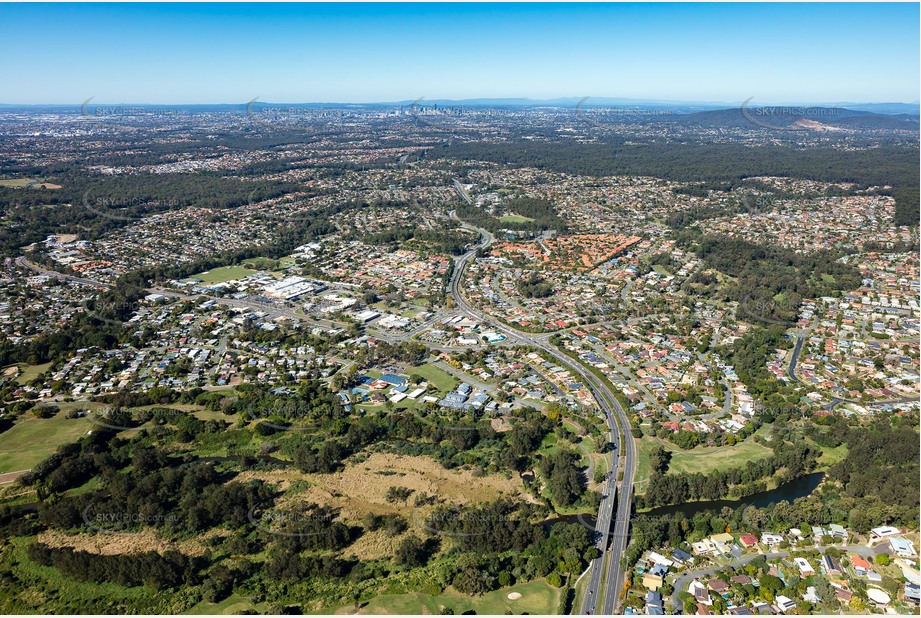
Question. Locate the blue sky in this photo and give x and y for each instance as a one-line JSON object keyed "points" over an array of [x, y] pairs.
{"points": [[232, 53]]}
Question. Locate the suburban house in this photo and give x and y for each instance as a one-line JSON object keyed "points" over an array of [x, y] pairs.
{"points": [[704, 547], [830, 565], [902, 547], [658, 558], [843, 595], [882, 532], [700, 593], [652, 581], [682, 557], [748, 539], [805, 569], [741, 610], [861, 566], [654, 605], [784, 604], [719, 586], [912, 594], [742, 580], [769, 538]]}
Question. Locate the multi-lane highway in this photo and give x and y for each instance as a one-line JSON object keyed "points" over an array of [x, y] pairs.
{"points": [[25, 263], [613, 521], [612, 524]]}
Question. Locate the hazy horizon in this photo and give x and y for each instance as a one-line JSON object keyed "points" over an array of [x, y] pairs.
{"points": [[564, 100]]}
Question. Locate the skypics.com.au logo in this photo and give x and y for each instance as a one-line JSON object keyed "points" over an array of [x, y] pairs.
{"points": [[128, 208], [284, 117], [768, 309], [785, 118], [126, 112], [455, 524], [613, 117], [115, 313], [309, 521], [123, 523]]}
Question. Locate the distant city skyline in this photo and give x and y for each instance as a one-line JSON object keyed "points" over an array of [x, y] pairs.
{"points": [[384, 53]]}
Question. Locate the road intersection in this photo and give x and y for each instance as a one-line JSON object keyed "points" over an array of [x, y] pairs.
{"points": [[612, 524], [613, 521]]}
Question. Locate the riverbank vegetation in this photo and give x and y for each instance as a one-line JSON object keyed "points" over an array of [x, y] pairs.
{"points": [[789, 461]]}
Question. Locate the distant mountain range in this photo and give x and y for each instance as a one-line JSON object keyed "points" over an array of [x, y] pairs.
{"points": [[799, 118], [593, 102], [881, 108]]}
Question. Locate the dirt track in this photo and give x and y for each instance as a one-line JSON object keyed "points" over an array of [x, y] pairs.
{"points": [[9, 477]]}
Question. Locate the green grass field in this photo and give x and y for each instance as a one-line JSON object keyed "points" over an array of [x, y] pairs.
{"points": [[199, 412], [234, 604], [30, 372], [31, 440], [286, 262], [406, 404], [515, 219], [441, 379], [261, 263], [579, 594], [702, 460], [642, 464], [591, 449], [19, 183], [548, 444], [537, 597], [830, 456], [707, 460], [224, 273]]}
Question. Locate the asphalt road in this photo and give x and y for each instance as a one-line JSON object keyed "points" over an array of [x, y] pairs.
{"points": [[681, 584], [24, 262], [613, 521], [791, 370]]}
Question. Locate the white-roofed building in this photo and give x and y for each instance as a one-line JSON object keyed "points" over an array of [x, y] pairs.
{"points": [[902, 547]]}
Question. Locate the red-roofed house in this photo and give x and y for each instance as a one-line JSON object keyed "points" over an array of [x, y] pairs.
{"points": [[861, 566], [748, 540]]}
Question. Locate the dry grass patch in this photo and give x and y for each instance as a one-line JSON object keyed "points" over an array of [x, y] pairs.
{"points": [[374, 545], [282, 479], [500, 424], [361, 488], [116, 544]]}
